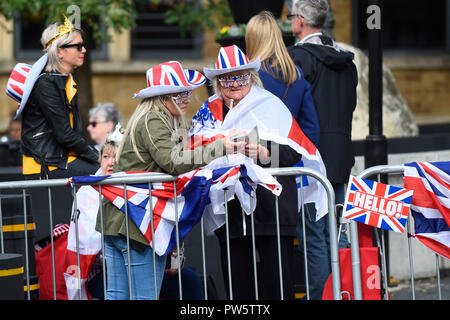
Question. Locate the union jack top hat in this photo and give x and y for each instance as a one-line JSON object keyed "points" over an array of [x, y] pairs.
{"points": [[231, 59], [170, 77], [21, 81]]}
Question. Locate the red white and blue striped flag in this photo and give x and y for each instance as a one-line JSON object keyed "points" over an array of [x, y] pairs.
{"points": [[261, 109], [430, 206], [195, 191], [377, 204]]}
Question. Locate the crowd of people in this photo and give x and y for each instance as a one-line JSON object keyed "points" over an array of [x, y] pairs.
{"points": [[308, 89]]}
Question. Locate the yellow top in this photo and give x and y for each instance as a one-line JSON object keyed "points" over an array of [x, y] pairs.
{"points": [[31, 166]]}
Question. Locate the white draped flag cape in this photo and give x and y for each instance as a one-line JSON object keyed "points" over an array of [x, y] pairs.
{"points": [[261, 109]]}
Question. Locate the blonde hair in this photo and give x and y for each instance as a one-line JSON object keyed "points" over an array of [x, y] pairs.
{"points": [[155, 105], [263, 38], [109, 145], [53, 63]]}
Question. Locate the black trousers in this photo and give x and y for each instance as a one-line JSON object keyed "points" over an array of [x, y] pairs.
{"points": [[241, 256]]}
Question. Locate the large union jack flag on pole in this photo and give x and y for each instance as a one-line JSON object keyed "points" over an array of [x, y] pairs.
{"points": [[430, 205], [377, 204]]}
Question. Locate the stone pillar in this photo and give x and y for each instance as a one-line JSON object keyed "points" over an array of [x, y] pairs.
{"points": [[6, 40], [119, 49]]}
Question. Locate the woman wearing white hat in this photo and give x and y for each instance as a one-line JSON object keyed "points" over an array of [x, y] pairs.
{"points": [[152, 142], [52, 133], [241, 102]]}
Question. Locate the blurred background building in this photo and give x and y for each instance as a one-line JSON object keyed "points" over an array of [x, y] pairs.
{"points": [[416, 38]]}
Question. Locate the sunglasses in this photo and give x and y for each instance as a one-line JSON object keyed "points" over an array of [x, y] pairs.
{"points": [[94, 123], [290, 16], [79, 46], [183, 97], [228, 81]]}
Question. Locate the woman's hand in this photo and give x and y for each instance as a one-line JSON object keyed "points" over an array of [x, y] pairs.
{"points": [[173, 269], [257, 151], [232, 146]]}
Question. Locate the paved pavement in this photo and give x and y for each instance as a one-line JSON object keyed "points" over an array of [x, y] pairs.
{"points": [[425, 289]]}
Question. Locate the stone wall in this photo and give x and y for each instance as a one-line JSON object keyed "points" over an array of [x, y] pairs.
{"points": [[398, 120]]}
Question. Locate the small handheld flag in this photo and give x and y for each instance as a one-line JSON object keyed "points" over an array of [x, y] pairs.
{"points": [[377, 204]]}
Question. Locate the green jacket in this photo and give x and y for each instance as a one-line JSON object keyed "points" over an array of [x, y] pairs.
{"points": [[163, 155]]}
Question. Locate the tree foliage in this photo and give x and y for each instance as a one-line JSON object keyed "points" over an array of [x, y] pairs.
{"points": [[193, 16], [115, 14]]}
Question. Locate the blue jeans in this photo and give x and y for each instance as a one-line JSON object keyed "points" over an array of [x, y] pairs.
{"points": [[142, 278], [318, 245]]}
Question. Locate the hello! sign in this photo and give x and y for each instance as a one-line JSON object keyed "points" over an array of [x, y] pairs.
{"points": [[377, 204]]}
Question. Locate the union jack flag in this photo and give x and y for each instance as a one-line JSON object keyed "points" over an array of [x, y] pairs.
{"points": [[377, 204], [231, 57], [21, 81], [430, 205], [195, 190], [16, 81], [170, 77]]}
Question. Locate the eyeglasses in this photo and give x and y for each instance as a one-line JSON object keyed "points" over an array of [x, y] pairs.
{"points": [[79, 46], [94, 123], [290, 16], [228, 81], [183, 97]]}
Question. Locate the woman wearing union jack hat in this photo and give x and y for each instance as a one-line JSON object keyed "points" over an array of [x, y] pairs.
{"points": [[52, 133], [153, 142], [241, 102]]}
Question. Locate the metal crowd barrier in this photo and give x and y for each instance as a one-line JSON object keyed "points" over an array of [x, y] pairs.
{"points": [[168, 178], [367, 173]]}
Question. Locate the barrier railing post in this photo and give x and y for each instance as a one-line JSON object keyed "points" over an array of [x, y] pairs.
{"points": [[100, 208], [305, 252], [180, 289], [50, 210], [411, 264], [280, 267], [228, 246], [25, 222], [205, 280], [334, 254], [128, 242], [438, 277], [150, 203], [255, 271], [77, 239], [356, 265]]}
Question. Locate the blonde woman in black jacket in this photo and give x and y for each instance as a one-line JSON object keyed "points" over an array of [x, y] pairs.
{"points": [[52, 133]]}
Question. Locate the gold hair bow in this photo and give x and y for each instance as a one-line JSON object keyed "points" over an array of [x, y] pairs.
{"points": [[62, 29]]}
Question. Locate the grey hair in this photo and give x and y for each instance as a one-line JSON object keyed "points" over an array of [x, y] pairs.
{"points": [[254, 76], [313, 11], [107, 111], [53, 63]]}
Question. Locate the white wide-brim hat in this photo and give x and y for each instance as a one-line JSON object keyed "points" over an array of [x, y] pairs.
{"points": [[231, 59], [21, 81], [170, 77]]}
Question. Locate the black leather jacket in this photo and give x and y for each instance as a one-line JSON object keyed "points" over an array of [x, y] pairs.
{"points": [[46, 132]]}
